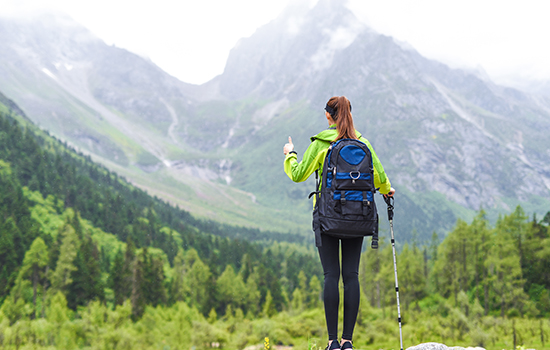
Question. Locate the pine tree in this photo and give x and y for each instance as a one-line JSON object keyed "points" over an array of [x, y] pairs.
{"points": [[369, 276], [137, 298], [17, 228], [86, 282], [153, 280], [314, 291], [454, 266], [253, 295], [413, 280], [61, 277], [8, 255], [269, 306], [297, 301], [126, 283], [230, 290], [199, 277], [179, 288], [34, 267], [116, 279], [504, 264]]}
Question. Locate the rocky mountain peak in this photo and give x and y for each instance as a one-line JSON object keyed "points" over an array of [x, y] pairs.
{"points": [[288, 52]]}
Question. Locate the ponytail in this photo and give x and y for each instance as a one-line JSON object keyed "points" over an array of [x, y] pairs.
{"points": [[339, 109]]}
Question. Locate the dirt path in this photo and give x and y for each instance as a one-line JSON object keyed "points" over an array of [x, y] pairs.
{"points": [[175, 121]]}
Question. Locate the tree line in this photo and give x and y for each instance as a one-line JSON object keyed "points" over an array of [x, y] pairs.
{"points": [[503, 269], [481, 285]]}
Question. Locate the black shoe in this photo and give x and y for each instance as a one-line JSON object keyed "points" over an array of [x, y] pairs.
{"points": [[347, 346], [334, 345]]}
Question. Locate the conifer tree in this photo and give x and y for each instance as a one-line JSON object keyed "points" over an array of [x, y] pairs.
{"points": [[61, 277], [34, 267], [17, 228], [199, 277], [127, 281], [246, 266], [179, 288], [86, 282], [117, 279], [369, 276], [453, 266], [8, 255], [230, 289], [269, 306], [413, 280], [137, 298], [253, 295], [504, 264], [153, 280], [297, 300], [314, 291], [482, 236]]}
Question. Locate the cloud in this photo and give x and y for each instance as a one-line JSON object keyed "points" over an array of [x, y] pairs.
{"points": [[337, 39]]}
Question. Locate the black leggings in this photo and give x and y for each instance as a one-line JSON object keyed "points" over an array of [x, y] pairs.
{"points": [[351, 254]]}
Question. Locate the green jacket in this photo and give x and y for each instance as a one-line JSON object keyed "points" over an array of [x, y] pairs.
{"points": [[315, 157]]}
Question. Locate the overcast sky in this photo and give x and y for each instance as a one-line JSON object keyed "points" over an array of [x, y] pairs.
{"points": [[191, 39]]}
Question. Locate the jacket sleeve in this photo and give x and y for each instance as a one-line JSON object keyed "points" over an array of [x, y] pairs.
{"points": [[313, 159], [380, 179]]}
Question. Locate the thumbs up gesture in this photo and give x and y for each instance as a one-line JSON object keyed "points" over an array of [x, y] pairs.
{"points": [[289, 146]]}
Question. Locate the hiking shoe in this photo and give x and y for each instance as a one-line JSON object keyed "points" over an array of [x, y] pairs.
{"points": [[347, 346], [334, 345]]}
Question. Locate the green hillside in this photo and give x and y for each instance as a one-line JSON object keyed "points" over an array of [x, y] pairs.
{"points": [[50, 190]]}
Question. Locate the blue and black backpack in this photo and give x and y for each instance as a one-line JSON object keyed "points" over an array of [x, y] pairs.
{"points": [[344, 204]]}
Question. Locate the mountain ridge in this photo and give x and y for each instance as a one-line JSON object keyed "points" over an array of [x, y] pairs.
{"points": [[436, 129]]}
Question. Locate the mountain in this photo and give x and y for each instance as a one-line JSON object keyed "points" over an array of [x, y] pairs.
{"points": [[119, 108], [451, 140]]}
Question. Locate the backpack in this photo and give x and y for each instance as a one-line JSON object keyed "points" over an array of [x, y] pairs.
{"points": [[344, 204]]}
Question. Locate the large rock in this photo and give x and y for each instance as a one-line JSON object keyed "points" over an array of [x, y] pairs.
{"points": [[438, 346]]}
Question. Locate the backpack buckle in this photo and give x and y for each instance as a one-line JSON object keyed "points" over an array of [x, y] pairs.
{"points": [[356, 177], [374, 243], [366, 202]]}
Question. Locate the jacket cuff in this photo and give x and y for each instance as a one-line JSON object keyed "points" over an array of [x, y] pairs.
{"points": [[291, 154]]}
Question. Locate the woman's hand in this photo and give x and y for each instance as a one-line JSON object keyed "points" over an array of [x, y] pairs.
{"points": [[288, 147], [391, 193]]}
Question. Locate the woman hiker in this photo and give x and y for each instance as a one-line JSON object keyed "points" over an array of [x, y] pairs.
{"points": [[340, 121]]}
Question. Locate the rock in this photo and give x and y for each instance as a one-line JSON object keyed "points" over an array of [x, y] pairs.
{"points": [[438, 346]]}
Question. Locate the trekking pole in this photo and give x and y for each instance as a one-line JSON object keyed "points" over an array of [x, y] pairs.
{"points": [[389, 201]]}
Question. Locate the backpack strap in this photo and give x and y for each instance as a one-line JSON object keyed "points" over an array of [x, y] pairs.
{"points": [[317, 192], [343, 197], [366, 204], [374, 241]]}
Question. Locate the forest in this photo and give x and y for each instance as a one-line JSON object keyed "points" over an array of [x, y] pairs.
{"points": [[88, 261]]}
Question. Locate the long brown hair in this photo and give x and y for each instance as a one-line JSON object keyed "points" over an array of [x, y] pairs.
{"points": [[342, 116]]}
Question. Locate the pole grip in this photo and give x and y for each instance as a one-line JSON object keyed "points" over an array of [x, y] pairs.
{"points": [[389, 201]]}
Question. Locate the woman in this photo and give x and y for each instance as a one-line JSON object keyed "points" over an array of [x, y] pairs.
{"points": [[340, 121]]}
